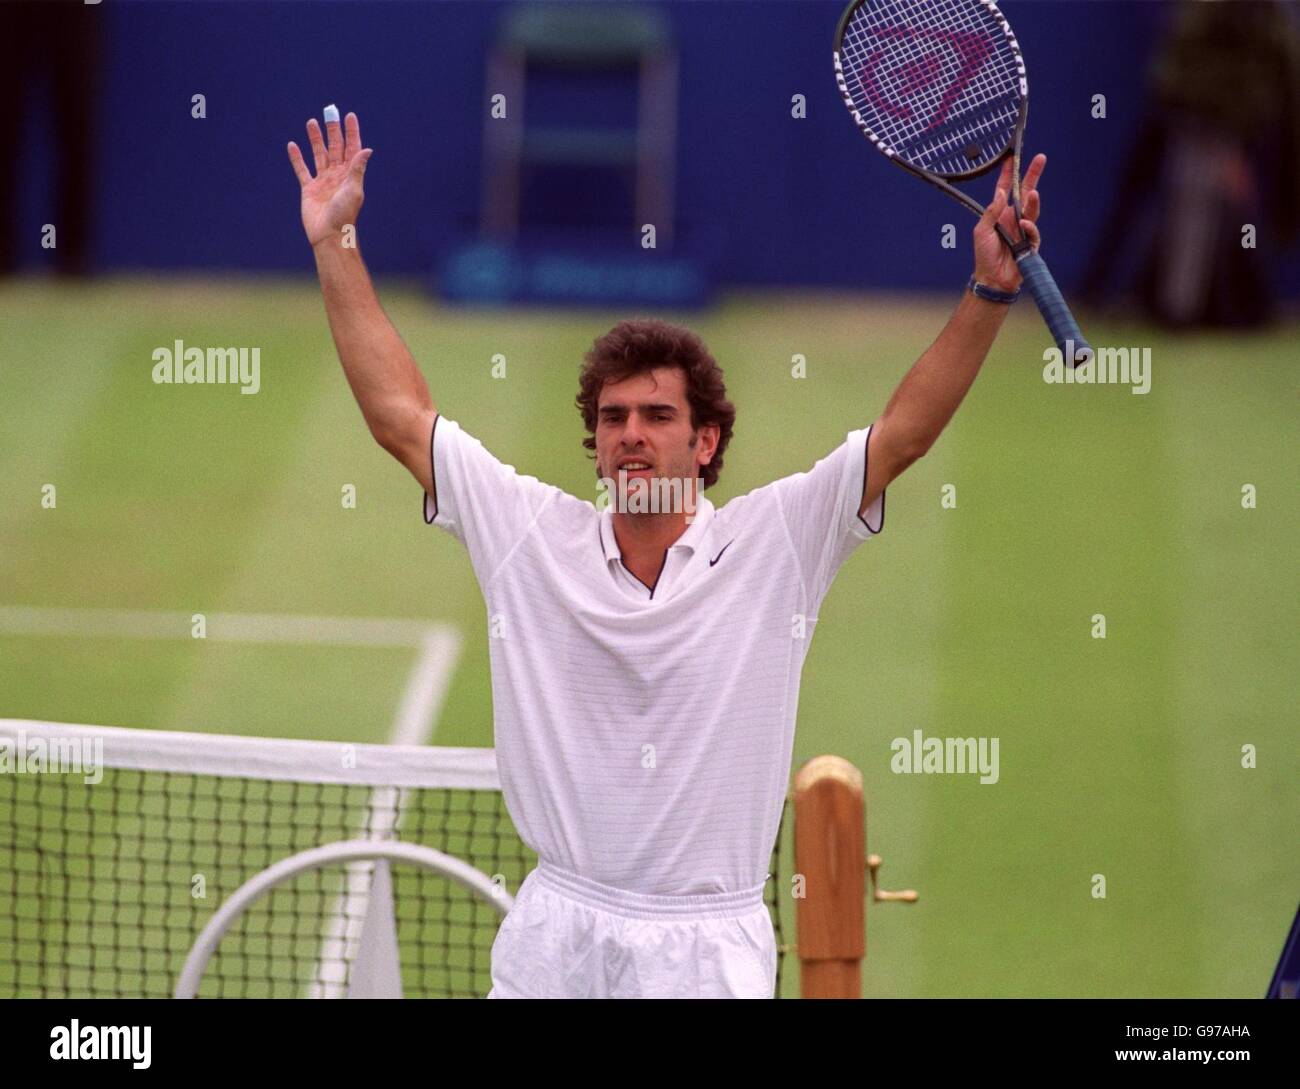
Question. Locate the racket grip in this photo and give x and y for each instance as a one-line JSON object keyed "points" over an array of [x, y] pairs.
{"points": [[1056, 312]]}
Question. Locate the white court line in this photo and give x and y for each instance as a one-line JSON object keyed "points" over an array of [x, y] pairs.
{"points": [[425, 689], [426, 686], [341, 631]]}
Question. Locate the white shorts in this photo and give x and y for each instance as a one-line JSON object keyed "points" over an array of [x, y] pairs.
{"points": [[567, 937]]}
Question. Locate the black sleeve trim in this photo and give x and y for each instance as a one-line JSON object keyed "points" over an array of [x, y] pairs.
{"points": [[866, 460], [425, 498]]}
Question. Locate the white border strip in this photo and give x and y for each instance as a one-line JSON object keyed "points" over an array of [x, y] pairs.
{"points": [[286, 759]]}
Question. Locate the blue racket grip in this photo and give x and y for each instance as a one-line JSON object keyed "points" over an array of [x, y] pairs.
{"points": [[1055, 311]]}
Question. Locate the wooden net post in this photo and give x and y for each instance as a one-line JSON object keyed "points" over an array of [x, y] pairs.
{"points": [[830, 853]]}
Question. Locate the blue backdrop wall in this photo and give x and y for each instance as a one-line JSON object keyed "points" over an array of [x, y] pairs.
{"points": [[782, 200]]}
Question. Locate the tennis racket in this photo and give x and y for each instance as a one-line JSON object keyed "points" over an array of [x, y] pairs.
{"points": [[939, 87]]}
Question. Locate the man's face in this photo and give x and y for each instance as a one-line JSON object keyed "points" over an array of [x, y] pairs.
{"points": [[646, 420]]}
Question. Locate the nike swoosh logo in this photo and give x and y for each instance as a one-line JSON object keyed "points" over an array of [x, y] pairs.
{"points": [[724, 549]]}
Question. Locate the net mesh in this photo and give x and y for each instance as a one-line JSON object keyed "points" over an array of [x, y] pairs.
{"points": [[937, 83], [104, 887]]}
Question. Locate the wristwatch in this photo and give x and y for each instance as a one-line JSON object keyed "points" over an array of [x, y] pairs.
{"points": [[992, 294]]}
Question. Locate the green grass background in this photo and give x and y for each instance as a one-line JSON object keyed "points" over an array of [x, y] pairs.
{"points": [[1119, 757]]}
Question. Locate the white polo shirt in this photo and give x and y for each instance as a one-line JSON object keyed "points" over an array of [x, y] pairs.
{"points": [[644, 735]]}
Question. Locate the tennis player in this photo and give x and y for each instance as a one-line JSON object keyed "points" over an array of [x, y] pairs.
{"points": [[645, 656]]}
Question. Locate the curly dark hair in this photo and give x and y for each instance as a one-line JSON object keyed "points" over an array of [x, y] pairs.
{"points": [[640, 345]]}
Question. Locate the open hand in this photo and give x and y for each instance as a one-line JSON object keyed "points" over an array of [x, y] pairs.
{"points": [[333, 198]]}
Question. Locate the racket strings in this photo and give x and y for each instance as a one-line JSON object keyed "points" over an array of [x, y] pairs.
{"points": [[939, 84]]}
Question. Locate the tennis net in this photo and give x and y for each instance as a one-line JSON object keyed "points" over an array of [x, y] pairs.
{"points": [[108, 876]]}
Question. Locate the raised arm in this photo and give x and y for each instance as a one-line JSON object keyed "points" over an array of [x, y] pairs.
{"points": [[933, 389], [385, 380]]}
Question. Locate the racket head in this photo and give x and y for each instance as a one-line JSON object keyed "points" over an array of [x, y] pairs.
{"points": [[939, 86]]}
